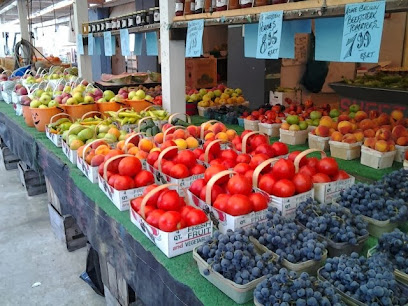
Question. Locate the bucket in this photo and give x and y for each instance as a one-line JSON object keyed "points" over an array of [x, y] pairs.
{"points": [[27, 116], [138, 106], [77, 111], [104, 107], [42, 116]]}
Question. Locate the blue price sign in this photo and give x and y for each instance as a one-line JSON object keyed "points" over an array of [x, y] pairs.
{"points": [[80, 44], [194, 41], [269, 35], [362, 31], [91, 43], [124, 42], [107, 39]]}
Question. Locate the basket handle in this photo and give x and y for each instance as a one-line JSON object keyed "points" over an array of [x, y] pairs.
{"points": [[163, 153], [303, 154], [130, 138], [188, 118], [174, 127], [260, 167], [205, 124], [60, 115], [89, 86], [207, 150], [246, 137], [84, 116], [105, 166], [151, 106], [149, 195], [139, 124], [211, 183]]}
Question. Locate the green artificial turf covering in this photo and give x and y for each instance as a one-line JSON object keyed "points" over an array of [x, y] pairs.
{"points": [[183, 267]]}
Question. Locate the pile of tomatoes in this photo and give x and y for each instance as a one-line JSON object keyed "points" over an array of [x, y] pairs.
{"points": [[167, 211], [126, 172], [232, 195], [257, 144]]}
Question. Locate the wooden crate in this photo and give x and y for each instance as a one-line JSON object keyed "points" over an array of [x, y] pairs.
{"points": [[66, 230], [34, 182], [9, 159], [52, 197]]}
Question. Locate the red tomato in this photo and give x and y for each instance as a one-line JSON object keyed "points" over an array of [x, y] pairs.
{"points": [[195, 217], [167, 166], [197, 169], [153, 199], [341, 175], [215, 148], [179, 171], [197, 152], [129, 166], [258, 159], [213, 170], [216, 161], [172, 153], [243, 158], [256, 140], [112, 179], [197, 186], [258, 201], [280, 148], [283, 169], [229, 154], [266, 183], [239, 184], [265, 149], [229, 163], [171, 221], [308, 170], [152, 157], [320, 178], [147, 211], [136, 203], [284, 188], [124, 183], [154, 217], [169, 200], [185, 210], [221, 202], [238, 205], [249, 174], [328, 165], [186, 157], [216, 190], [242, 168], [312, 162], [303, 182], [144, 178], [292, 157]]}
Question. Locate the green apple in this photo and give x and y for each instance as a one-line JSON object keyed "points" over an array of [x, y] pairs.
{"points": [[292, 119], [303, 125], [131, 95], [315, 115], [35, 103], [67, 89], [202, 91], [149, 98], [45, 99], [89, 100], [71, 101], [38, 93], [316, 122], [110, 138], [217, 93], [294, 127], [108, 94], [53, 103], [354, 108], [334, 113], [78, 96], [43, 106], [140, 94], [102, 100], [352, 115], [238, 91]]}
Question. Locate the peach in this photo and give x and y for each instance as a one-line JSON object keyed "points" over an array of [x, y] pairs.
{"points": [[331, 131], [145, 145], [179, 134], [370, 142], [285, 126], [181, 144], [97, 160], [396, 114], [343, 117], [102, 150], [326, 121], [354, 126], [218, 127], [158, 138], [141, 155], [231, 134], [345, 127], [360, 115], [89, 157], [336, 136], [166, 126], [192, 142], [322, 131], [121, 145], [209, 136], [381, 145], [383, 134], [386, 127], [133, 150], [383, 119], [359, 134], [193, 131], [80, 150], [169, 137], [391, 145], [402, 141], [398, 131], [221, 135], [114, 131], [334, 125], [366, 124], [98, 143], [369, 133], [349, 138]]}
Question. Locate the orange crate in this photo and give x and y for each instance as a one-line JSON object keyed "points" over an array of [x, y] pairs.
{"points": [[201, 72]]}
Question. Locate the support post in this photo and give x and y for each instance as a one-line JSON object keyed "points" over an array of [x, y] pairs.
{"points": [[23, 18], [172, 62], [84, 61]]}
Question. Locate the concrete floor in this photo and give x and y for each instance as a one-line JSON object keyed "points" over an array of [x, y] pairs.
{"points": [[30, 253]]}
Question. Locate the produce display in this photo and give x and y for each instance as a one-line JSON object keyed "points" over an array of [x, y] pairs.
{"points": [[395, 246], [217, 96], [367, 280], [380, 80], [286, 287]]}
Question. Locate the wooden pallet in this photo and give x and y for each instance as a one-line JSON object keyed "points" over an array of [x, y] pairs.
{"points": [[9, 159], [34, 182]]}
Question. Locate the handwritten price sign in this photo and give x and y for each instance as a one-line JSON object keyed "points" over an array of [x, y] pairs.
{"points": [[269, 35], [194, 41], [363, 26]]}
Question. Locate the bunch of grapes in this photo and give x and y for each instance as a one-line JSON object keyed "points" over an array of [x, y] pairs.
{"points": [[288, 239], [369, 200], [395, 246], [395, 184], [286, 288], [331, 221], [370, 281], [234, 257]]}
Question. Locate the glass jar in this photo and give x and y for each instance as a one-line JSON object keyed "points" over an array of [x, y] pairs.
{"points": [[179, 7], [123, 22], [138, 20], [93, 27], [89, 28], [221, 5], [261, 2], [209, 5], [143, 17], [149, 16], [103, 26], [188, 4], [108, 24], [156, 15], [245, 3], [233, 4], [131, 20], [199, 7]]}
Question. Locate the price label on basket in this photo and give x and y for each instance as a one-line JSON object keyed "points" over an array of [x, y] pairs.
{"points": [[362, 31], [269, 35], [194, 41]]}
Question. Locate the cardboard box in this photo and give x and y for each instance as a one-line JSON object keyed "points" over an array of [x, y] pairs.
{"points": [[70, 154], [327, 192], [346, 151], [201, 72], [90, 172], [317, 142], [281, 97], [55, 138], [293, 137], [375, 159]]}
